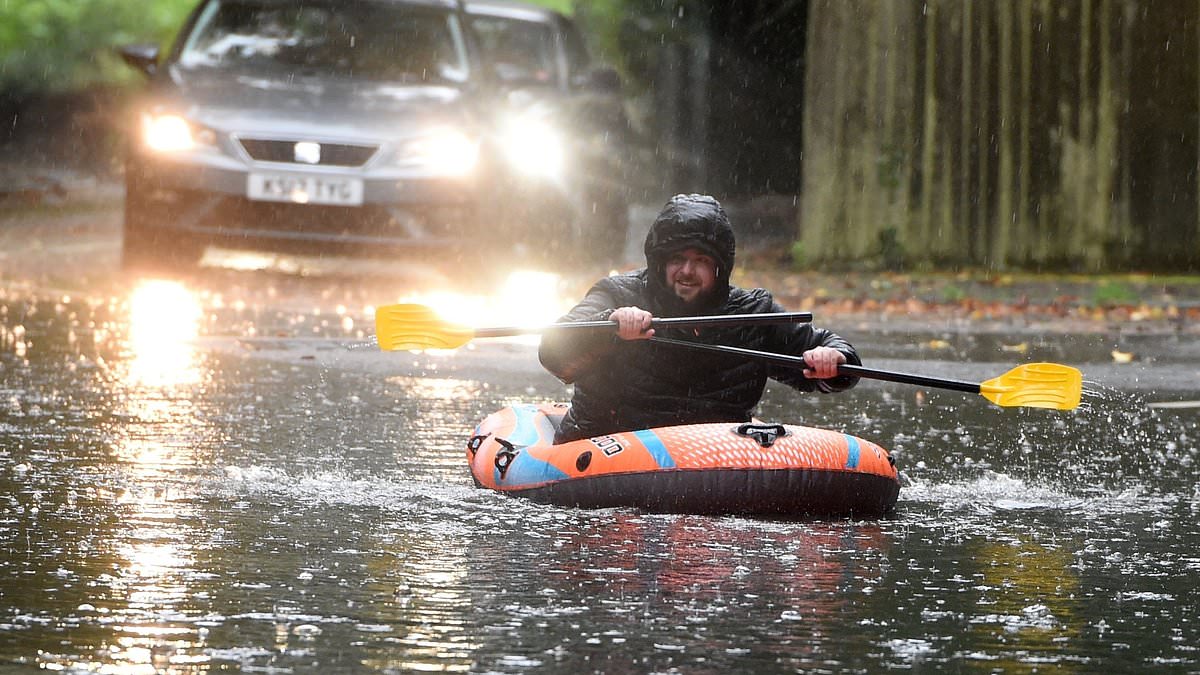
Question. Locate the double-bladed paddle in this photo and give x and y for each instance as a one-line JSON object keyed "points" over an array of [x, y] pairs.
{"points": [[1032, 385], [413, 326]]}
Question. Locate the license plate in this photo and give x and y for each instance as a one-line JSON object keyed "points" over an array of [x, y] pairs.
{"points": [[298, 189]]}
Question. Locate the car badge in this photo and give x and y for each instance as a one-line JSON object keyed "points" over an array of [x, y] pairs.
{"points": [[307, 152]]}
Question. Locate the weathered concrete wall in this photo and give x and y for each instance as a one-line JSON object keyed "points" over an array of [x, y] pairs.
{"points": [[1006, 133]]}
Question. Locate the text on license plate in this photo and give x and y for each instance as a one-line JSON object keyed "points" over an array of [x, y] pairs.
{"points": [[343, 191]]}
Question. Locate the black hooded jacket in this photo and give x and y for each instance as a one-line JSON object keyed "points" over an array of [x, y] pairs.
{"points": [[621, 385]]}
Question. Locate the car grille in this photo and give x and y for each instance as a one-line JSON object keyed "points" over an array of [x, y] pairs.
{"points": [[236, 217], [332, 154]]}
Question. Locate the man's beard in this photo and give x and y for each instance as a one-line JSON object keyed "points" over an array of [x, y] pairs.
{"points": [[697, 305], [667, 303], [700, 298]]}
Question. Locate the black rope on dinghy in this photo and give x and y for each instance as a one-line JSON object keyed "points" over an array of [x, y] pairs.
{"points": [[505, 457], [475, 442]]}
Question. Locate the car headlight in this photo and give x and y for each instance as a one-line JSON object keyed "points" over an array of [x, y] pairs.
{"points": [[172, 133], [442, 151], [533, 146]]}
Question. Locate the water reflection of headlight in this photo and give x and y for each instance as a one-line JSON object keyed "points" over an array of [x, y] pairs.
{"points": [[444, 151], [164, 321], [534, 146], [172, 133]]}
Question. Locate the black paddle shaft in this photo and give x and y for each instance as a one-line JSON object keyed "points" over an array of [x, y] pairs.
{"points": [[844, 369], [766, 319]]}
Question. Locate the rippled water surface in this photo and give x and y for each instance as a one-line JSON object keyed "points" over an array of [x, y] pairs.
{"points": [[230, 509]]}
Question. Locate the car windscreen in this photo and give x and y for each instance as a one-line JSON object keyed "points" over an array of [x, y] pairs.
{"points": [[518, 51], [374, 40]]}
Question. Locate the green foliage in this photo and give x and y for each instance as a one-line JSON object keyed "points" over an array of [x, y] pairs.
{"points": [[797, 255], [564, 6], [1111, 292], [57, 45], [629, 34], [953, 293]]}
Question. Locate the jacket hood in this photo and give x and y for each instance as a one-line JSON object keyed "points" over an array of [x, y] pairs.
{"points": [[689, 221]]}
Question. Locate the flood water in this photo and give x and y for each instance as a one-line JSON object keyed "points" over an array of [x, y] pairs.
{"points": [[303, 505]]}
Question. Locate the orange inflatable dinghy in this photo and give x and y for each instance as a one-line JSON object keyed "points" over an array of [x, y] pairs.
{"points": [[725, 468]]}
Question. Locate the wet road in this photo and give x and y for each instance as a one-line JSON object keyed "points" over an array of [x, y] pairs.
{"points": [[225, 474]]}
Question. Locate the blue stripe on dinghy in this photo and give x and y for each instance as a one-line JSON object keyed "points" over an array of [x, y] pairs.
{"points": [[525, 469], [528, 470], [657, 450], [852, 451], [526, 432]]}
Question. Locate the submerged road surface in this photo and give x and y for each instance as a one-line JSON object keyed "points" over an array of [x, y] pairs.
{"points": [[221, 471]]}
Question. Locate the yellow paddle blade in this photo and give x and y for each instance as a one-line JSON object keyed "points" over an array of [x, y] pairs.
{"points": [[1036, 385], [413, 327]]}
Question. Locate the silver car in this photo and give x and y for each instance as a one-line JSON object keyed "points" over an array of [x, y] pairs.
{"points": [[373, 126]]}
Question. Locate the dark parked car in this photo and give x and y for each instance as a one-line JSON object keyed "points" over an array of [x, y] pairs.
{"points": [[373, 126]]}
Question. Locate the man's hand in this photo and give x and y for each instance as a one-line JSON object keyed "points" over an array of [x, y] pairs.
{"points": [[633, 323], [822, 362]]}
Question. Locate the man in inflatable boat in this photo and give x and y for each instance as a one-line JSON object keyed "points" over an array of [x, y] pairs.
{"points": [[624, 382]]}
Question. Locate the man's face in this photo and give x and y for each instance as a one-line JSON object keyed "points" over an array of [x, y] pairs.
{"points": [[691, 274]]}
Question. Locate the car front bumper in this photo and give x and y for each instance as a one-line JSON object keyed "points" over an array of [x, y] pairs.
{"points": [[214, 201]]}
